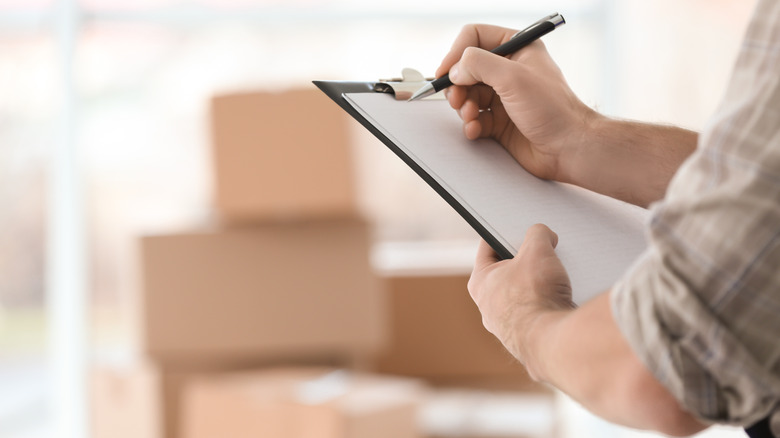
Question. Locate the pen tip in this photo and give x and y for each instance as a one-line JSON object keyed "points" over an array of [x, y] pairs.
{"points": [[426, 90]]}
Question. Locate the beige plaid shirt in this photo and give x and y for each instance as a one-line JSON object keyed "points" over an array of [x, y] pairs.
{"points": [[701, 307]]}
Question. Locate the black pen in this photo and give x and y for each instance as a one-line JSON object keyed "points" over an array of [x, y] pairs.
{"points": [[517, 42]]}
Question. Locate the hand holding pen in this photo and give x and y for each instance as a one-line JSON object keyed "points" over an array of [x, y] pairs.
{"points": [[522, 101], [519, 40]]}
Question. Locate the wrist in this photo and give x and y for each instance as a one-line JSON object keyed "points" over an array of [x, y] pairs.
{"points": [[530, 341], [580, 144]]}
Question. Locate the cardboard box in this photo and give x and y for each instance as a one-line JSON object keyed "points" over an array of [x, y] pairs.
{"points": [[301, 403], [143, 399], [437, 334], [273, 291], [281, 156], [126, 403], [136, 400]]}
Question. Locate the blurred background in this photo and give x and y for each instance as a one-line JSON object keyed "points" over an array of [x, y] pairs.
{"points": [[108, 133]]}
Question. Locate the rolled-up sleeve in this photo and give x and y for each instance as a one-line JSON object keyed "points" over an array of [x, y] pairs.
{"points": [[701, 307]]}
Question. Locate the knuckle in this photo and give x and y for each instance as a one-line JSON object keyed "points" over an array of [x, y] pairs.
{"points": [[469, 59], [469, 53], [469, 29], [472, 286], [488, 324], [469, 35]]}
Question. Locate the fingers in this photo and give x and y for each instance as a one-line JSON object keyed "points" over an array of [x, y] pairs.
{"points": [[480, 96], [477, 65], [480, 127], [474, 35], [538, 238], [478, 107]]}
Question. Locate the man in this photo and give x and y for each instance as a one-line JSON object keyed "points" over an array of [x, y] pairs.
{"points": [[690, 336]]}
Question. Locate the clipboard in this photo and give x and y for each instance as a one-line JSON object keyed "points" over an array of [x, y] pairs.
{"points": [[600, 237], [336, 90]]}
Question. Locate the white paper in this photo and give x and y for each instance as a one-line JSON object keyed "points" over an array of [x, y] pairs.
{"points": [[599, 237]]}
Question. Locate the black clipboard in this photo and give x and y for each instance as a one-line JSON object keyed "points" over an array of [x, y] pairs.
{"points": [[336, 89]]}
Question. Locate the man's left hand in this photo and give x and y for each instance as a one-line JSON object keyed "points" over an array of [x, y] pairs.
{"points": [[512, 294]]}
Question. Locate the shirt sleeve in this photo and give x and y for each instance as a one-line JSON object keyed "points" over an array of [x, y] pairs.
{"points": [[701, 307]]}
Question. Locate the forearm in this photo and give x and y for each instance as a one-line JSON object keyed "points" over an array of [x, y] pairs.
{"points": [[582, 353], [627, 160], [526, 303]]}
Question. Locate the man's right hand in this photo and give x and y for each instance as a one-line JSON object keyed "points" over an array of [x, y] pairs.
{"points": [[522, 101]]}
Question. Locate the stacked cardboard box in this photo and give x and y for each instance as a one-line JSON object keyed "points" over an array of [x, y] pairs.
{"points": [[283, 278], [281, 156], [141, 399], [437, 334], [302, 403], [127, 402], [272, 290]]}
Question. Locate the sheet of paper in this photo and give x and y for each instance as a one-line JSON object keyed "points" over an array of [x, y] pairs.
{"points": [[599, 237]]}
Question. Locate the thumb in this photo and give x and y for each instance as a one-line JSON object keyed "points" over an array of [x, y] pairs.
{"points": [[478, 65], [540, 237]]}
